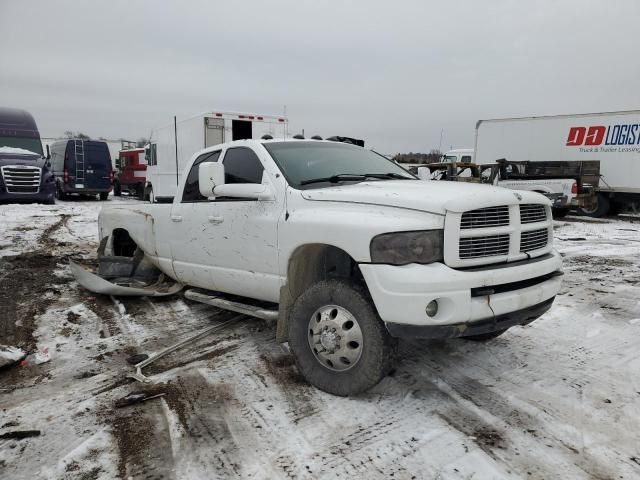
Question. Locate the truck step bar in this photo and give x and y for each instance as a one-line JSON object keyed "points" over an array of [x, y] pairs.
{"points": [[225, 304]]}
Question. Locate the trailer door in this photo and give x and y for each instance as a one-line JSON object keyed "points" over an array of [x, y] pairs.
{"points": [[213, 131]]}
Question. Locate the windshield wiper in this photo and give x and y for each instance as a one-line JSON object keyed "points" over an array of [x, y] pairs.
{"points": [[335, 178], [354, 176], [388, 175]]}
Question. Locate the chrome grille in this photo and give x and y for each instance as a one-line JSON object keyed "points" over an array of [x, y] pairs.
{"points": [[531, 213], [534, 240], [21, 179], [485, 217], [489, 246]]}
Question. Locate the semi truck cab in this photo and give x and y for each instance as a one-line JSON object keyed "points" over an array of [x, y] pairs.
{"points": [[25, 174]]}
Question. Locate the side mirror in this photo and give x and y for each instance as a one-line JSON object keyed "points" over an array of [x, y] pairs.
{"points": [[255, 191], [424, 173], [48, 157], [210, 176]]}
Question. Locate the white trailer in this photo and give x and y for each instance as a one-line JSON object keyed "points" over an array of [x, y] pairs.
{"points": [[186, 137], [612, 138]]}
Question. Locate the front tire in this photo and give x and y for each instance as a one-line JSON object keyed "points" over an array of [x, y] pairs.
{"points": [[104, 196], [117, 189], [340, 344]]}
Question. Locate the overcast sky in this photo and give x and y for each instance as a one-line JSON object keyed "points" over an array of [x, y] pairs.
{"points": [[395, 73]]}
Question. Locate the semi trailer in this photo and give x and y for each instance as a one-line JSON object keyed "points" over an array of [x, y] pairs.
{"points": [[611, 138]]}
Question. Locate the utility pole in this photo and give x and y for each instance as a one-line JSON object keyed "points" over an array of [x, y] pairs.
{"points": [[440, 144]]}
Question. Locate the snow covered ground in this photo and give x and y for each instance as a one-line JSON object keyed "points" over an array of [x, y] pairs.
{"points": [[559, 398]]}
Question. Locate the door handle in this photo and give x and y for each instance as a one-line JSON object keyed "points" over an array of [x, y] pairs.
{"points": [[176, 218], [215, 219]]}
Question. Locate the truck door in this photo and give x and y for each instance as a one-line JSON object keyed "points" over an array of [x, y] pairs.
{"points": [[246, 245], [213, 131], [194, 234]]}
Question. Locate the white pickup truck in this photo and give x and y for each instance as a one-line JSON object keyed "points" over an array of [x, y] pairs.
{"points": [[344, 248]]}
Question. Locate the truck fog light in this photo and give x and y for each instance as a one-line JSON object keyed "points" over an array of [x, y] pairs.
{"points": [[432, 308]]}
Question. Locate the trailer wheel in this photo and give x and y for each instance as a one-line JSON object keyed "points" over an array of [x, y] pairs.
{"points": [[599, 209], [117, 189], [339, 342]]}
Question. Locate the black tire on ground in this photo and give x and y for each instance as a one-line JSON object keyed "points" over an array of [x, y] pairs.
{"points": [[140, 191], [104, 196], [377, 349], [559, 212], [600, 209], [117, 189], [50, 202], [483, 337], [60, 195]]}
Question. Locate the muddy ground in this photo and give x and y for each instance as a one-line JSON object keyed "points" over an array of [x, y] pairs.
{"points": [[557, 399]]}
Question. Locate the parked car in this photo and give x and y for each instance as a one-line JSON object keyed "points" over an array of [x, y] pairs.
{"points": [[81, 167], [346, 262], [24, 170]]}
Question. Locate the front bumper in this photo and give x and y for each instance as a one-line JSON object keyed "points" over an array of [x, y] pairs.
{"points": [[465, 297], [46, 194]]}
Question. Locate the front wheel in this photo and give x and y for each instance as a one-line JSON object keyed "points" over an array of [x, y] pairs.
{"points": [[104, 196], [117, 189], [340, 344]]}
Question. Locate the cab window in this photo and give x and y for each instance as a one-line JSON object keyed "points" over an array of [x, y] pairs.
{"points": [[466, 159], [191, 192], [241, 165]]}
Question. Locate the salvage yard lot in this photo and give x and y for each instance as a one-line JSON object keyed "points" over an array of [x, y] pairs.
{"points": [[559, 398]]}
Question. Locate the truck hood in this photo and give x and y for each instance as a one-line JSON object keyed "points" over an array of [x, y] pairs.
{"points": [[33, 160], [425, 195]]}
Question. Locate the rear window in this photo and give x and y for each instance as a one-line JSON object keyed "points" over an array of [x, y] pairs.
{"points": [[96, 156]]}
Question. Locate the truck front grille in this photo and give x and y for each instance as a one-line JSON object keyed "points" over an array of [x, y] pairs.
{"points": [[534, 240], [485, 217], [21, 179], [501, 233], [477, 247], [531, 213]]}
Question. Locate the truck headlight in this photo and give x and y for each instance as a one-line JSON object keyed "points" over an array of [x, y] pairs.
{"points": [[401, 248]]}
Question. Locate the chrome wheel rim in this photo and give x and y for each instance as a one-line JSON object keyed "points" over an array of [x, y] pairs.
{"points": [[335, 338]]}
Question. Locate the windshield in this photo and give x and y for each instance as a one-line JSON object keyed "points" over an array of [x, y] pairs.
{"points": [[449, 159], [30, 144], [318, 164]]}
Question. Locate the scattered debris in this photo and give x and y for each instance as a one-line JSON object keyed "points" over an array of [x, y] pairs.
{"points": [[10, 355], [138, 397], [19, 434], [137, 358]]}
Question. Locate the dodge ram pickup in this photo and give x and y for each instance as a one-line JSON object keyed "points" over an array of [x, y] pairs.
{"points": [[343, 248]]}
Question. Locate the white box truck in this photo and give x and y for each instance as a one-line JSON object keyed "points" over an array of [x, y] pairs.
{"points": [[612, 138], [171, 147]]}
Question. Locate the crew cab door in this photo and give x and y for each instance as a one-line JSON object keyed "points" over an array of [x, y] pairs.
{"points": [[193, 235], [246, 247]]}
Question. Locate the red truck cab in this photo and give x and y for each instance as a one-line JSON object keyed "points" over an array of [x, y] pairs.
{"points": [[131, 170]]}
